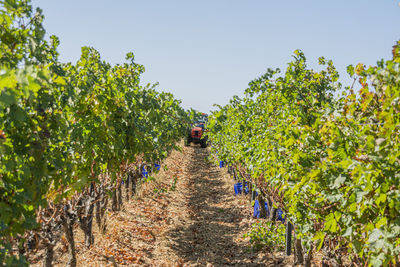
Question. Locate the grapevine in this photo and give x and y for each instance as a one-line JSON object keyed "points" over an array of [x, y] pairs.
{"points": [[330, 162], [70, 135]]}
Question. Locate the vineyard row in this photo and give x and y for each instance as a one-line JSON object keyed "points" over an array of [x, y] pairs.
{"points": [[70, 134], [328, 157]]}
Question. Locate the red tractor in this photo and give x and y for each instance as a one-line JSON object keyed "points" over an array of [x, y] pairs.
{"points": [[197, 135]]}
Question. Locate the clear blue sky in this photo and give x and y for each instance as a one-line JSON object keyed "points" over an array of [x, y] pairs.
{"points": [[204, 52]]}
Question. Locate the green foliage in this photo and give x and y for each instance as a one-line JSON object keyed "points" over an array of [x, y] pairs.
{"points": [[173, 186], [267, 234], [160, 191], [332, 164], [61, 125]]}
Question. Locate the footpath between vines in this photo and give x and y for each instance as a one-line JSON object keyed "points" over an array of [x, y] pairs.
{"points": [[187, 216]]}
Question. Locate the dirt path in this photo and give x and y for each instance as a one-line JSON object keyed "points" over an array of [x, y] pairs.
{"points": [[188, 216], [207, 220], [211, 233]]}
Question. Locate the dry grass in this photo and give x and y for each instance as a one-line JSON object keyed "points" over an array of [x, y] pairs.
{"points": [[198, 223]]}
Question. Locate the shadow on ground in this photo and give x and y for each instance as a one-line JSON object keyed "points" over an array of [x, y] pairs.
{"points": [[208, 238]]}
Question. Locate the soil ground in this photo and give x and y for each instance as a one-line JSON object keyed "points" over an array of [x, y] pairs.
{"points": [[187, 216]]}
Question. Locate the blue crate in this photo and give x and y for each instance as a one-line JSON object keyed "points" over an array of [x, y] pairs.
{"points": [[157, 166], [238, 188], [256, 212], [280, 216], [145, 174], [221, 164]]}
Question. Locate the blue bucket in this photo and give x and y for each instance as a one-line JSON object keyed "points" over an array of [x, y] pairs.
{"points": [[157, 166], [145, 174], [238, 188], [256, 212], [280, 216]]}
